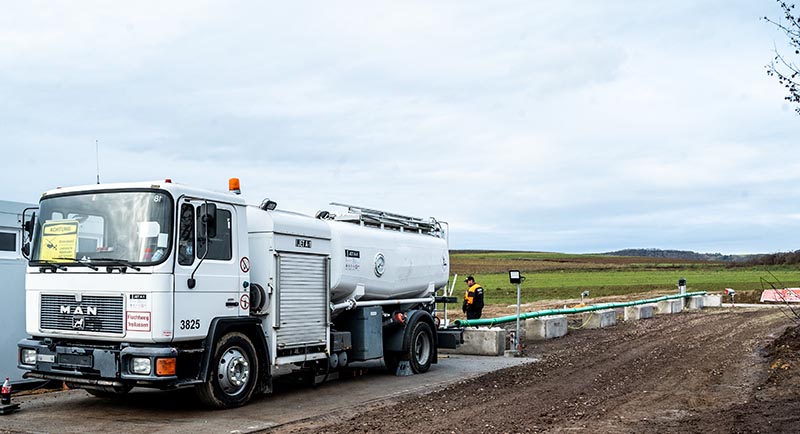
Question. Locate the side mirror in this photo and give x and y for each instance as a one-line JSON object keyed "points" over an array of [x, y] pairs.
{"points": [[208, 217], [28, 226]]}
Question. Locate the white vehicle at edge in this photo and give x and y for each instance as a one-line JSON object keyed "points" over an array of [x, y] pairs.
{"points": [[163, 285]]}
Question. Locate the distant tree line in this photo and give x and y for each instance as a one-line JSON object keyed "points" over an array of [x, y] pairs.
{"points": [[682, 254], [781, 258]]}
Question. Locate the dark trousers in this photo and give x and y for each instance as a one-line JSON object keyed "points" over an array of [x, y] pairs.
{"points": [[473, 314]]}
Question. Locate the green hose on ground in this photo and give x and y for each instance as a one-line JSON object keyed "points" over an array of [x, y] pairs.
{"points": [[567, 311]]}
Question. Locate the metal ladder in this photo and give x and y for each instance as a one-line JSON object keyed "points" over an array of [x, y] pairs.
{"points": [[387, 220]]}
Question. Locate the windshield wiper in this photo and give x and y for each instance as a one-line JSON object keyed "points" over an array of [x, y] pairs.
{"points": [[62, 265], [121, 262], [52, 265], [85, 263]]}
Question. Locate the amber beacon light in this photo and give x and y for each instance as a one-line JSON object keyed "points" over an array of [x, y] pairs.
{"points": [[233, 186]]}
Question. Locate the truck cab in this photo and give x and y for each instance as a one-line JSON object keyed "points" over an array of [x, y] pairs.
{"points": [[115, 283]]}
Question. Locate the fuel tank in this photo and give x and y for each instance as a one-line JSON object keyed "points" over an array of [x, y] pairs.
{"points": [[367, 262]]}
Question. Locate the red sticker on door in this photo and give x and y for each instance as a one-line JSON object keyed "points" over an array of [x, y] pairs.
{"points": [[244, 302], [244, 264]]}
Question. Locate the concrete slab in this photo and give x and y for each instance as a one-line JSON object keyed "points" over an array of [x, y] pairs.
{"points": [[482, 342], [713, 300], [696, 302], [547, 327], [600, 319], [144, 411], [642, 311], [669, 306]]}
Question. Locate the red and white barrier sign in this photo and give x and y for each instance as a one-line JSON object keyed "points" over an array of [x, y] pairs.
{"points": [[138, 322], [786, 295]]}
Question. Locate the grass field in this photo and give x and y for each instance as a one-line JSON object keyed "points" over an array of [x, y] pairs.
{"points": [[563, 276]]}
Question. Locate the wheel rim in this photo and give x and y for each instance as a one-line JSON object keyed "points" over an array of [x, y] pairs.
{"points": [[422, 348], [234, 371]]}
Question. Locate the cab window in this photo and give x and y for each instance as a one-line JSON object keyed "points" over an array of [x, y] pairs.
{"points": [[219, 246], [186, 235]]}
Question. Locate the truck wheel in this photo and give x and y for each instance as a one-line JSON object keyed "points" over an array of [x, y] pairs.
{"points": [[233, 373], [421, 348]]}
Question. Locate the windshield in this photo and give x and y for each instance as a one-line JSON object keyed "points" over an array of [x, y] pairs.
{"points": [[130, 226]]}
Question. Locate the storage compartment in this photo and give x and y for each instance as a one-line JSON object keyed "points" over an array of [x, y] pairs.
{"points": [[340, 341], [365, 326]]}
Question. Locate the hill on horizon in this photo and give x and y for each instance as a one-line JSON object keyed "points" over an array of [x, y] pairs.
{"points": [[683, 254]]}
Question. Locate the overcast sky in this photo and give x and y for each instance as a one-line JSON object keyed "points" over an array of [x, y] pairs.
{"points": [[574, 126]]}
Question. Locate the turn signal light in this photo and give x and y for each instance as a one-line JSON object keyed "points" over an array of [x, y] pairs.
{"points": [[165, 366]]}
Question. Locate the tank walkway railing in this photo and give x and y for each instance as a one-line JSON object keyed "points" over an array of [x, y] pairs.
{"points": [[384, 219], [568, 311]]}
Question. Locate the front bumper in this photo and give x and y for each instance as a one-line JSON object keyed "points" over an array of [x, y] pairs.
{"points": [[86, 365]]}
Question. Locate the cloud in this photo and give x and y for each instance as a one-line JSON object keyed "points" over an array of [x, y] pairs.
{"points": [[564, 126]]}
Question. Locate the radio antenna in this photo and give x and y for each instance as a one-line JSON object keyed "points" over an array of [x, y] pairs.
{"points": [[97, 157]]}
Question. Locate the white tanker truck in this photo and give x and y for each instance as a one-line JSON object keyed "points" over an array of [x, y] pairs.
{"points": [[161, 285]]}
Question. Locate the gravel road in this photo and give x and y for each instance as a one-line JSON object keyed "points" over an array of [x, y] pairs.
{"points": [[715, 371]]}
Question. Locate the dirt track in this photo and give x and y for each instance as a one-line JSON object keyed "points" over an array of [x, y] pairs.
{"points": [[705, 372]]}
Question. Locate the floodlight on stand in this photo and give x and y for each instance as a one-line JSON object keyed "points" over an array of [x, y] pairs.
{"points": [[516, 278]]}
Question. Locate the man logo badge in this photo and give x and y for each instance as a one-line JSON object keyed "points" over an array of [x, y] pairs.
{"points": [[79, 323], [79, 310]]}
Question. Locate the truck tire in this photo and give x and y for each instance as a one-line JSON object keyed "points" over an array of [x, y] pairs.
{"points": [[421, 348], [233, 373]]}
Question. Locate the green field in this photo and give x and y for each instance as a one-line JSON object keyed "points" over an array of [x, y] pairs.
{"points": [[564, 276]]}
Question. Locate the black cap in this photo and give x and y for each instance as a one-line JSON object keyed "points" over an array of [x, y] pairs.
{"points": [[469, 278]]}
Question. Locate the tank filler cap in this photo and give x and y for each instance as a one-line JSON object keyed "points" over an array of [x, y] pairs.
{"points": [[380, 264]]}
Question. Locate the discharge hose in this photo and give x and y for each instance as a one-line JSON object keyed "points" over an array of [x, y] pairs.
{"points": [[566, 311]]}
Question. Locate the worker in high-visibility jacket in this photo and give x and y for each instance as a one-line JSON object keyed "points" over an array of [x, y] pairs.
{"points": [[473, 299]]}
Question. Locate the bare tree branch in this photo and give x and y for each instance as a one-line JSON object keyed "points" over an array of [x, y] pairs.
{"points": [[786, 71]]}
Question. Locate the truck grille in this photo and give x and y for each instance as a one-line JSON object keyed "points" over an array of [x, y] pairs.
{"points": [[96, 314]]}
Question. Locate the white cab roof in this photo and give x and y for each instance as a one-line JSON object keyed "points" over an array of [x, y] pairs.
{"points": [[177, 190]]}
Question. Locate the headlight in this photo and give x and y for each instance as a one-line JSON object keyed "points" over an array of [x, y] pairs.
{"points": [[141, 365], [28, 356]]}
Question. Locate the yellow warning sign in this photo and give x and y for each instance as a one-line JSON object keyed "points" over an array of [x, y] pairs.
{"points": [[59, 241]]}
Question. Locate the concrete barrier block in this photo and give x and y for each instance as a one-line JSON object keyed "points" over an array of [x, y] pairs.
{"points": [[696, 302], [482, 342], [712, 300], [641, 311], [599, 319], [547, 327], [669, 306]]}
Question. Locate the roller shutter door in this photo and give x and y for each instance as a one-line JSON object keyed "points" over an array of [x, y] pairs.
{"points": [[303, 300]]}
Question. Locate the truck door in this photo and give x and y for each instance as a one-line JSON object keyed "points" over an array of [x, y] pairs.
{"points": [[210, 260]]}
